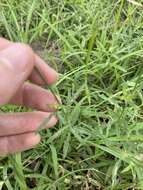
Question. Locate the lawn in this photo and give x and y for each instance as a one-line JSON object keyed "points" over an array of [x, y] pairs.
{"points": [[97, 46]]}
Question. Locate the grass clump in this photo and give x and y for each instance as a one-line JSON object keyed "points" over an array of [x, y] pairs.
{"points": [[97, 47]]}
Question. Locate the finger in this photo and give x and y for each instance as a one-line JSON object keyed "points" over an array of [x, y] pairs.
{"points": [[16, 64], [44, 75], [18, 123], [18, 143], [33, 96]]}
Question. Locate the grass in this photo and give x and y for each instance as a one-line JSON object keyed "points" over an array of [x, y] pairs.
{"points": [[98, 48]]}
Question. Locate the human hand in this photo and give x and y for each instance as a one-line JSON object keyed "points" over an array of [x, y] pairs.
{"points": [[17, 65]]}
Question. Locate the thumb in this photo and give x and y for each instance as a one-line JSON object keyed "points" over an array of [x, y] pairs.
{"points": [[16, 64]]}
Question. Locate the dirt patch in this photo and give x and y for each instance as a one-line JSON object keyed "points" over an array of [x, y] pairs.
{"points": [[50, 53]]}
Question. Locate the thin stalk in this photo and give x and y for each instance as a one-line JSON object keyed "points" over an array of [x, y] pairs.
{"points": [[44, 80], [46, 121], [16, 163], [88, 59]]}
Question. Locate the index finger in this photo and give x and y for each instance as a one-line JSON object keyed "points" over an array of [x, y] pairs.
{"points": [[43, 74], [49, 75]]}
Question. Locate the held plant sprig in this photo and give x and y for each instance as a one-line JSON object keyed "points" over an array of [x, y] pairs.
{"points": [[46, 121], [44, 80]]}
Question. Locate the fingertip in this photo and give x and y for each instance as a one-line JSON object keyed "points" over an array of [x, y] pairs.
{"points": [[43, 100], [37, 139], [49, 119], [54, 77], [53, 121], [32, 141], [48, 74]]}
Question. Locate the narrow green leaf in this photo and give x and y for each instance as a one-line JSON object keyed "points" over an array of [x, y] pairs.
{"points": [[54, 159]]}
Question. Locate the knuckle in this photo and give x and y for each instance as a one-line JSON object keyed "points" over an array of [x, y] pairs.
{"points": [[26, 53]]}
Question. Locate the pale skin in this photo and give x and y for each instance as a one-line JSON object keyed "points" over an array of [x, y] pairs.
{"points": [[17, 65]]}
